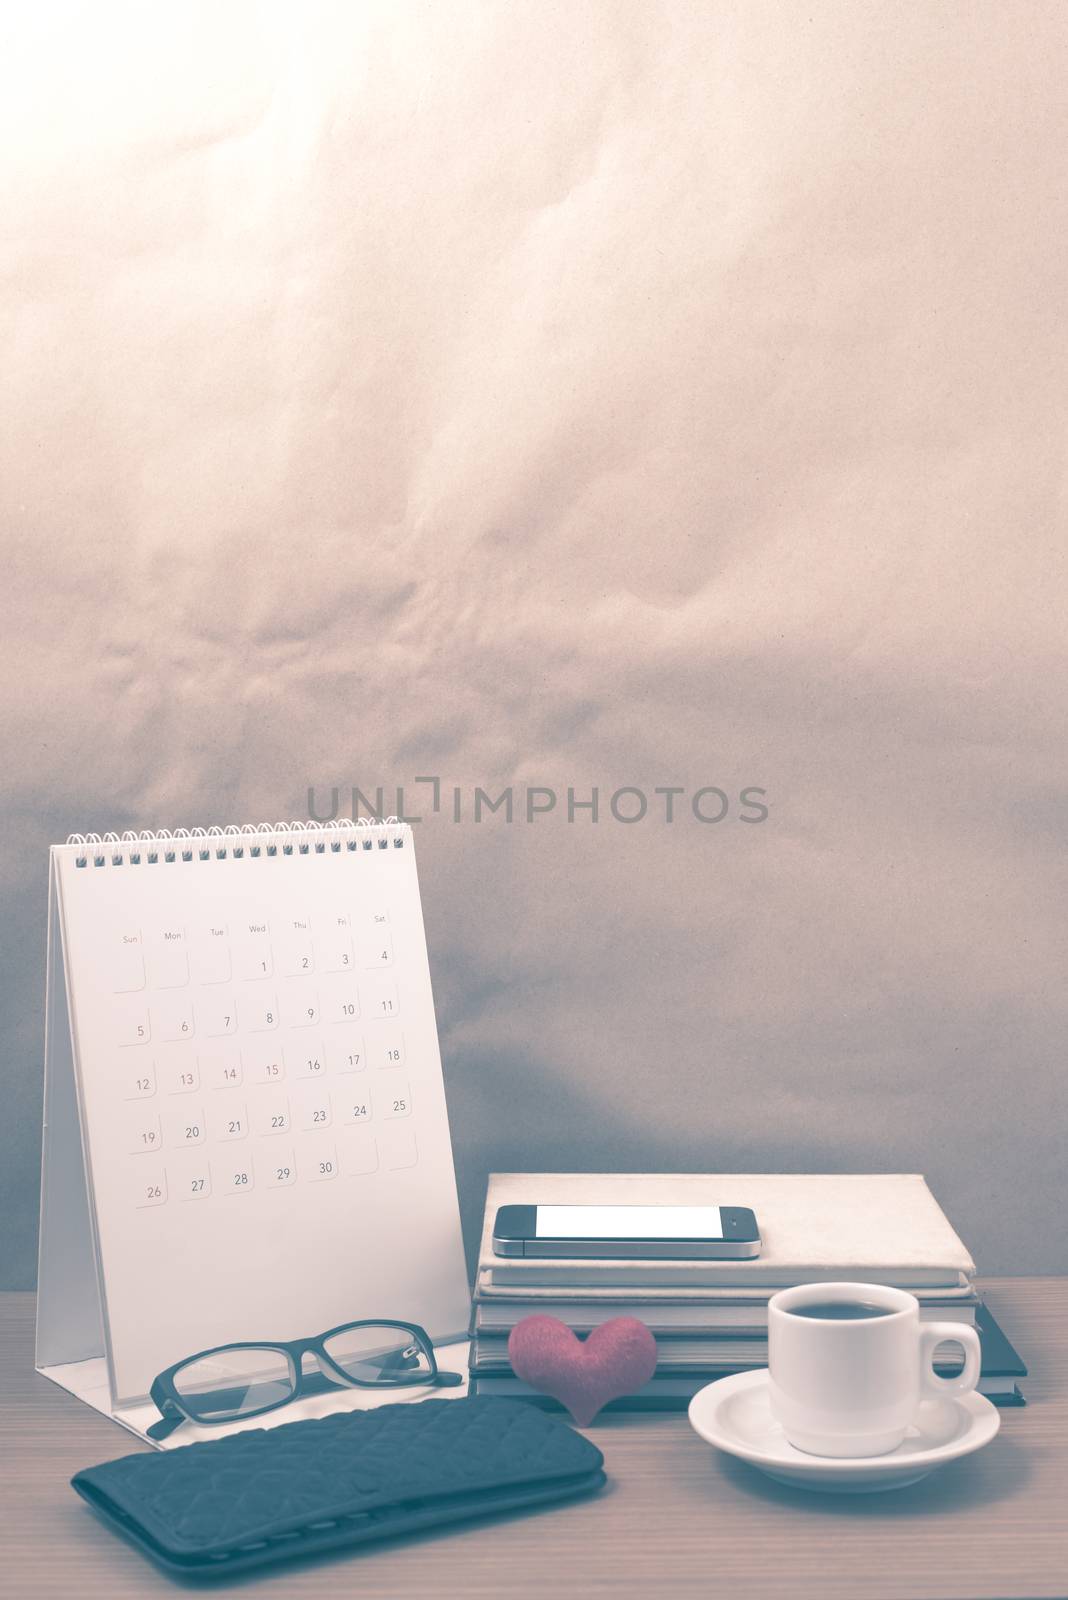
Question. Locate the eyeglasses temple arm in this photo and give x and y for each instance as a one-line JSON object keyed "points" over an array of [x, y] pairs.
{"points": [[448, 1380], [172, 1418]]}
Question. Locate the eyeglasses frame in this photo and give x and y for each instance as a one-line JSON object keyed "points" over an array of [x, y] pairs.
{"points": [[174, 1410]]}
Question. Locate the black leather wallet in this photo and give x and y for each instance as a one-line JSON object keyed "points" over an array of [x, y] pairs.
{"points": [[252, 1499]]}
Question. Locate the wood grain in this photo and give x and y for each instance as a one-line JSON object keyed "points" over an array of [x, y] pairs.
{"points": [[677, 1519]]}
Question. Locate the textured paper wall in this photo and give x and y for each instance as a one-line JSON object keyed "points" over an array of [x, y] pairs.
{"points": [[588, 394]]}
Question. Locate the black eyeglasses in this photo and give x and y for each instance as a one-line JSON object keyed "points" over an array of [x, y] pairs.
{"points": [[235, 1381]]}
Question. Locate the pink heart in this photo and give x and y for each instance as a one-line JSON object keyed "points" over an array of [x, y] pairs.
{"points": [[583, 1374]]}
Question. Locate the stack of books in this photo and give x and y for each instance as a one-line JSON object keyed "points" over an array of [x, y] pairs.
{"points": [[710, 1318]]}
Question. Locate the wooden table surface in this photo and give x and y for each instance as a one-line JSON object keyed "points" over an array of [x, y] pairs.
{"points": [[676, 1520]]}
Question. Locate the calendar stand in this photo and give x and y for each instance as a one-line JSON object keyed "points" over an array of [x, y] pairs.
{"points": [[127, 1285]]}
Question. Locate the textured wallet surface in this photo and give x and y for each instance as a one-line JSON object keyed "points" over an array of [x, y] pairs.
{"points": [[255, 1498]]}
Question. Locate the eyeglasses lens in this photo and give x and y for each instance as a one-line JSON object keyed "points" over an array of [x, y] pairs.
{"points": [[232, 1383], [376, 1353]]}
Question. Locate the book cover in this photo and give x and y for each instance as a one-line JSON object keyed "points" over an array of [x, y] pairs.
{"points": [[888, 1226], [662, 1314], [674, 1393], [595, 1289], [734, 1351]]}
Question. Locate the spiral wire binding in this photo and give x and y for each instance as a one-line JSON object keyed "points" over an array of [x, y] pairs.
{"points": [[250, 841]]}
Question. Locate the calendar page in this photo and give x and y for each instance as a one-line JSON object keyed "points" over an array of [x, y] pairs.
{"points": [[263, 1114]]}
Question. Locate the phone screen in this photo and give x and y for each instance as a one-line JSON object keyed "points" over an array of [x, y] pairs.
{"points": [[628, 1222]]}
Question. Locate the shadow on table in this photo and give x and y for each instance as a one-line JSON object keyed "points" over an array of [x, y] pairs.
{"points": [[957, 1486]]}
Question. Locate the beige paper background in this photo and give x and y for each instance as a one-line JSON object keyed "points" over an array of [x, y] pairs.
{"points": [[616, 394]]}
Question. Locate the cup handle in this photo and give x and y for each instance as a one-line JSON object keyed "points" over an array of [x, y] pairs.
{"points": [[933, 1334]]}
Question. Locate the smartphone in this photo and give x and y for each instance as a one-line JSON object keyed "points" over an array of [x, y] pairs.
{"points": [[712, 1233]]}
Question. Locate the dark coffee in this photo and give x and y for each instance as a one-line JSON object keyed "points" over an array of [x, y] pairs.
{"points": [[840, 1310]]}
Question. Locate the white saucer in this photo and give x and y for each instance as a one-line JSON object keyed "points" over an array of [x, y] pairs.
{"points": [[734, 1414]]}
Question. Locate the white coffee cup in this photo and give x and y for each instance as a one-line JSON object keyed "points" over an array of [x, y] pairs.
{"points": [[851, 1388]]}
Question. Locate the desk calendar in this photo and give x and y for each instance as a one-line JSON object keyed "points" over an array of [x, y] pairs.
{"points": [[245, 1125]]}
